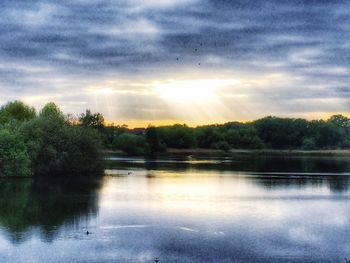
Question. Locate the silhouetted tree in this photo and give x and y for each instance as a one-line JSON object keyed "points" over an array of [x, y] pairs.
{"points": [[94, 120], [154, 141]]}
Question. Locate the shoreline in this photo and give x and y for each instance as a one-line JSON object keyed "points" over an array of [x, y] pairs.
{"points": [[233, 152]]}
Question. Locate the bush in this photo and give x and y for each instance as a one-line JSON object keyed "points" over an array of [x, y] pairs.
{"points": [[346, 143], [154, 142], [14, 159], [221, 145], [177, 136], [58, 148], [207, 136], [82, 150], [16, 111], [131, 144], [46, 144], [309, 144]]}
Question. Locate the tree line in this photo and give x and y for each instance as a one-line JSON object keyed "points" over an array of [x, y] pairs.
{"points": [[49, 142], [266, 133]]}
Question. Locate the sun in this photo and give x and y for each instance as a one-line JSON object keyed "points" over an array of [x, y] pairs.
{"points": [[202, 90]]}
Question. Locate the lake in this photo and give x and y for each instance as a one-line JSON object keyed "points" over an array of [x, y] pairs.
{"points": [[242, 209]]}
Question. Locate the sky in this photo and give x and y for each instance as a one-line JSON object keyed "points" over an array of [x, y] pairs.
{"points": [[141, 62]]}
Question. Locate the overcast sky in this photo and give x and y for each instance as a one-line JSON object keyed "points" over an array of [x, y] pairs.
{"points": [[163, 61]]}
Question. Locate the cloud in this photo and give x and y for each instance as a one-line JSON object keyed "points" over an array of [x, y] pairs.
{"points": [[60, 48]]}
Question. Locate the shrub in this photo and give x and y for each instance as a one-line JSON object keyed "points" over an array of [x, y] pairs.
{"points": [[14, 159], [221, 145], [16, 111], [56, 147], [309, 144], [131, 144]]}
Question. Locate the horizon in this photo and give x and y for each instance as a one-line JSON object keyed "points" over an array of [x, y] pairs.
{"points": [[145, 124], [161, 123], [187, 61]]}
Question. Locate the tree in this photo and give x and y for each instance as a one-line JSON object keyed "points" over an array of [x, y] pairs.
{"points": [[249, 139], [281, 133], [177, 136], [14, 159], [16, 111], [309, 144], [340, 121], [112, 134], [131, 144], [88, 119], [154, 141], [343, 125], [208, 136], [57, 148], [326, 134], [51, 110], [82, 151]]}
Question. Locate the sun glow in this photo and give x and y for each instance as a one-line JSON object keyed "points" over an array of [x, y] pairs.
{"points": [[203, 90], [194, 99]]}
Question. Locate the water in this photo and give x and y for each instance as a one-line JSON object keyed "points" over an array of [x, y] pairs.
{"points": [[183, 210]]}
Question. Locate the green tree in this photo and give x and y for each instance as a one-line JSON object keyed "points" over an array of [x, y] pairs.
{"points": [[154, 141], [56, 147], [326, 134], [343, 125], [16, 111], [112, 133], [131, 144], [309, 144], [94, 120], [51, 110], [14, 159], [82, 151], [281, 133], [340, 121], [177, 136], [249, 139], [208, 136]]}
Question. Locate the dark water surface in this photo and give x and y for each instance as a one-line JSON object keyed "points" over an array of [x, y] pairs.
{"points": [[183, 210]]}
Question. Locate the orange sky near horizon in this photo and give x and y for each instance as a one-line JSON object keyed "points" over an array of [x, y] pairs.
{"points": [[144, 124]]}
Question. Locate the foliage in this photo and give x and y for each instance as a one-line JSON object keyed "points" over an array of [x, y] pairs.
{"points": [[82, 151], [327, 134], [269, 132], [221, 145], [59, 144], [46, 144], [111, 134], [235, 135], [154, 141], [52, 111], [308, 144], [58, 148], [131, 144], [208, 135], [16, 111], [280, 133], [14, 159], [88, 119], [177, 136]]}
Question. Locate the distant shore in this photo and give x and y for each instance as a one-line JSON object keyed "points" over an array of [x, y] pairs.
{"points": [[232, 152]]}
